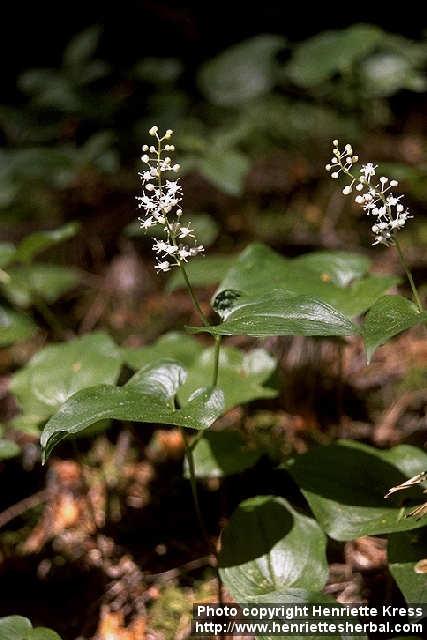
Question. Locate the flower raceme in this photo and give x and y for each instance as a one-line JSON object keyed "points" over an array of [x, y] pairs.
{"points": [[161, 202], [372, 194]]}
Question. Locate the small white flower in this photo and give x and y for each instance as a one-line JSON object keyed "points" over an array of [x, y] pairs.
{"points": [[334, 175], [347, 190], [163, 266], [186, 232], [153, 130], [145, 159], [176, 168]]}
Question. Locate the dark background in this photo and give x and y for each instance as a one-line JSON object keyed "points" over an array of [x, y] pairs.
{"points": [[34, 34]]}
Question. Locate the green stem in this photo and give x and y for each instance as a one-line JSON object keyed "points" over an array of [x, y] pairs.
{"points": [[408, 275], [193, 483], [193, 296], [216, 361]]}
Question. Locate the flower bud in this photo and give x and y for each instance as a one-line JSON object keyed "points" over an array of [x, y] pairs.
{"points": [[153, 130]]}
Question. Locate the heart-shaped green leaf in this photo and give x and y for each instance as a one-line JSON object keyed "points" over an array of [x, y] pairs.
{"points": [[241, 375], [28, 283], [222, 453], [56, 372], [345, 484], [145, 398], [14, 326], [279, 313], [405, 551], [387, 317], [268, 548], [332, 278], [39, 241]]}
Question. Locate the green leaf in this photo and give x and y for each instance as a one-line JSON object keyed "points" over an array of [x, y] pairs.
{"points": [[345, 484], [222, 453], [14, 628], [241, 375], [8, 449], [7, 253], [226, 169], [244, 71], [268, 548], [18, 628], [405, 550], [82, 47], [202, 272], [175, 345], [339, 267], [321, 276], [142, 399], [279, 313], [386, 318], [162, 381], [56, 372], [319, 58], [41, 633], [27, 283], [14, 326], [39, 241]]}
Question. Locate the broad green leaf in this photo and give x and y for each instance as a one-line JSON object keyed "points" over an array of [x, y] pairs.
{"points": [[41, 633], [14, 628], [268, 548], [386, 73], [387, 317], [278, 313], [7, 253], [27, 283], [19, 628], [202, 272], [82, 47], [39, 241], [140, 400], [15, 326], [241, 375], [244, 71], [345, 484], [160, 380], [319, 58], [405, 550], [321, 276], [339, 267], [222, 453], [56, 372], [177, 346], [8, 449], [226, 169]]}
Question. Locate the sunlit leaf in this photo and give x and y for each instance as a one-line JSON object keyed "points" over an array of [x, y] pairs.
{"points": [[8, 449], [268, 548], [28, 283], [56, 372], [15, 326]]}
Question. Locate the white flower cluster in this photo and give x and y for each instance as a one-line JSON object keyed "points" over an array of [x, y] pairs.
{"points": [[374, 195], [160, 201]]}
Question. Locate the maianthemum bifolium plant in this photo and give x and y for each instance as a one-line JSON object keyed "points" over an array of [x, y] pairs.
{"points": [[269, 551]]}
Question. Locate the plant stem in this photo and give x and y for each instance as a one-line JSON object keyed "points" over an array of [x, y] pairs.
{"points": [[408, 274], [193, 296], [216, 361], [193, 483]]}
